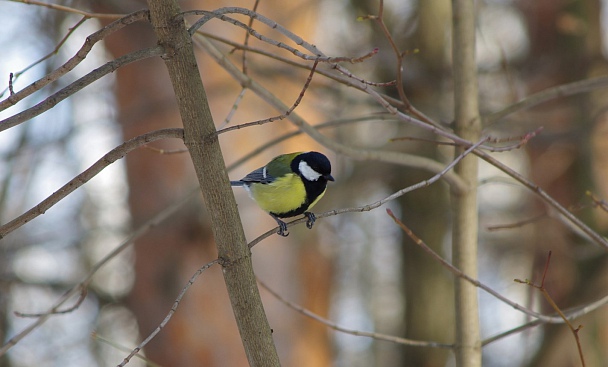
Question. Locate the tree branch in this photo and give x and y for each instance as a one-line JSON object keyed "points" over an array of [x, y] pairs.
{"points": [[109, 158], [91, 40], [79, 84]]}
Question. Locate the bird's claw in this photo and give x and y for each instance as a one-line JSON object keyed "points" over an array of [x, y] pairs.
{"points": [[283, 229], [311, 219]]}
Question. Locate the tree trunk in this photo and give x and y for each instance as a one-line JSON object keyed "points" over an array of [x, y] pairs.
{"points": [[464, 206], [203, 145]]}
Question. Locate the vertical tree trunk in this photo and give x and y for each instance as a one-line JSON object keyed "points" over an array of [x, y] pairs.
{"points": [[429, 292], [468, 126], [203, 145]]}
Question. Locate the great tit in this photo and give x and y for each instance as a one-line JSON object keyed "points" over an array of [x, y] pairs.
{"points": [[289, 185]]}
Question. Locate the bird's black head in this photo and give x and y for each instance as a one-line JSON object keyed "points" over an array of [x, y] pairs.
{"points": [[312, 166]]}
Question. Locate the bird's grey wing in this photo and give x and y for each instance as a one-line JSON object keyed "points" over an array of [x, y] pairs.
{"points": [[259, 175]]}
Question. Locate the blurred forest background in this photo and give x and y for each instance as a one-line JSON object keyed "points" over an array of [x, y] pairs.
{"points": [[356, 269]]}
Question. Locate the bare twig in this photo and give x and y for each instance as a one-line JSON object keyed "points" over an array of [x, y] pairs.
{"points": [[333, 325], [246, 41], [518, 224], [70, 10], [515, 330], [379, 19], [235, 106], [89, 173], [279, 117], [96, 336], [568, 218], [74, 87], [14, 98], [239, 98], [81, 298], [170, 314], [477, 283], [521, 141], [15, 76], [546, 95], [329, 74], [144, 228], [219, 14], [550, 300]]}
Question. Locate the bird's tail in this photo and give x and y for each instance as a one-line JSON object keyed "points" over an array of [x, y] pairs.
{"points": [[237, 183]]}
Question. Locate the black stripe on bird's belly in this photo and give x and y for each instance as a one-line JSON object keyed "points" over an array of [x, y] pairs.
{"points": [[313, 190]]}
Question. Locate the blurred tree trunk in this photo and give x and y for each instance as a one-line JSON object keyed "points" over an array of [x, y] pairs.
{"points": [[429, 295], [428, 288]]}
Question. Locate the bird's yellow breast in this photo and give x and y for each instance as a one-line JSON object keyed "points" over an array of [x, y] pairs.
{"points": [[283, 195]]}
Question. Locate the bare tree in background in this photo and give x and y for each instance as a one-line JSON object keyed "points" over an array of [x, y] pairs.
{"points": [[466, 161]]}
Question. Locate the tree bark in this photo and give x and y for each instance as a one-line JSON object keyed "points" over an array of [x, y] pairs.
{"points": [[464, 237], [203, 145]]}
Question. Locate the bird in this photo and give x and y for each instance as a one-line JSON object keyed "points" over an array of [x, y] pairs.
{"points": [[289, 185]]}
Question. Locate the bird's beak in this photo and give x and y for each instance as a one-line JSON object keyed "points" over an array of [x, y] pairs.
{"points": [[329, 177]]}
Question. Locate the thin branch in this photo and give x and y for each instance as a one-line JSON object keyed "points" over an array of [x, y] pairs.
{"points": [[280, 117], [247, 35], [477, 283], [141, 230], [518, 224], [111, 343], [507, 333], [88, 174], [329, 74], [74, 87], [239, 98], [219, 14], [547, 95], [379, 19], [521, 141], [566, 216], [333, 325], [550, 300], [70, 10], [76, 305], [232, 111], [170, 314], [14, 98], [571, 314], [15, 76]]}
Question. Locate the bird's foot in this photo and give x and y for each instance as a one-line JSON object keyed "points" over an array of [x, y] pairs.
{"points": [[311, 219], [282, 226], [282, 229]]}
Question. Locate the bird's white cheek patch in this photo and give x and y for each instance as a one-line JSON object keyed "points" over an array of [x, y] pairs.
{"points": [[307, 172]]}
